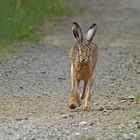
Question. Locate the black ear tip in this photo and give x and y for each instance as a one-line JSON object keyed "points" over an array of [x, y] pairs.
{"points": [[75, 23], [93, 25]]}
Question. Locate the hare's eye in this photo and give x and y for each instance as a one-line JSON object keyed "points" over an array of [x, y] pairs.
{"points": [[81, 46]]}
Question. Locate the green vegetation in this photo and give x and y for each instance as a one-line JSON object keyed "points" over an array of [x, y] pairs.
{"points": [[89, 138], [137, 99], [8, 51], [19, 18]]}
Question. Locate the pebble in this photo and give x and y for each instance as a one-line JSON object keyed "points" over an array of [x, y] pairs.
{"points": [[65, 116], [127, 98], [91, 124], [77, 134], [101, 108], [127, 137], [138, 127], [83, 123]]}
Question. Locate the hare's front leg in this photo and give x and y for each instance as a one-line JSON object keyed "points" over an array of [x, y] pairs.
{"points": [[74, 97], [88, 96]]}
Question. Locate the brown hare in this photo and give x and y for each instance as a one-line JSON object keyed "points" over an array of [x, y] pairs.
{"points": [[83, 55]]}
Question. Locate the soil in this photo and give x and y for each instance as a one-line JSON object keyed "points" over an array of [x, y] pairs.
{"points": [[35, 84]]}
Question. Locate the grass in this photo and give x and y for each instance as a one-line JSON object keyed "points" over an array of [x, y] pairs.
{"points": [[89, 138], [19, 19], [8, 51], [137, 99]]}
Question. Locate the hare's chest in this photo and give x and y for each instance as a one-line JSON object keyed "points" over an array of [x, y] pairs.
{"points": [[83, 72]]}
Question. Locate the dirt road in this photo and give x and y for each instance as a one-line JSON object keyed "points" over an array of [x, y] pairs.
{"points": [[35, 84]]}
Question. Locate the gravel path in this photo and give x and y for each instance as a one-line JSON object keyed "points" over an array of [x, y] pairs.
{"points": [[35, 85]]}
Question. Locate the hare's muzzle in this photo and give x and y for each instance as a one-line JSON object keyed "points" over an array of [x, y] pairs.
{"points": [[84, 60]]}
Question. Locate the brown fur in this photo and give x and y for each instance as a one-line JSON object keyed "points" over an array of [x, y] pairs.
{"points": [[80, 71], [84, 72]]}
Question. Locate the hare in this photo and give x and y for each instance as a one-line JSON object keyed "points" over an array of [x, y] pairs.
{"points": [[83, 56]]}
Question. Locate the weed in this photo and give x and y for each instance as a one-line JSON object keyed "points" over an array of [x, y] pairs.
{"points": [[89, 138], [19, 18], [137, 99]]}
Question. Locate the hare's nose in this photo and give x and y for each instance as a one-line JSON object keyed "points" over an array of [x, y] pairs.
{"points": [[82, 60]]}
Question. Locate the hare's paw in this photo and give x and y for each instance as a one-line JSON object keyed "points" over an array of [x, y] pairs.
{"points": [[72, 106], [72, 102], [87, 108]]}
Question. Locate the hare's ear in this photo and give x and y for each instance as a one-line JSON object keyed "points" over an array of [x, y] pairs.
{"points": [[77, 32], [91, 32]]}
